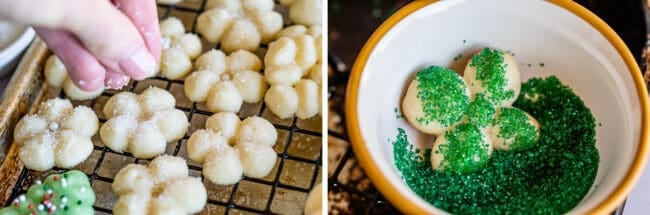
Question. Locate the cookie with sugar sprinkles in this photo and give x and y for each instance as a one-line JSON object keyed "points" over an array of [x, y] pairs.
{"points": [[436, 100], [66, 193]]}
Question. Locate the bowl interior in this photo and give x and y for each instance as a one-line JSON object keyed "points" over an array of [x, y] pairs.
{"points": [[546, 40]]}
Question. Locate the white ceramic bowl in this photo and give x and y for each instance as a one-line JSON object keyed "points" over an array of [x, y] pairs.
{"points": [[9, 55], [574, 45]]}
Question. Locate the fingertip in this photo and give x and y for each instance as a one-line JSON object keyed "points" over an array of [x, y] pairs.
{"points": [[115, 80], [144, 15], [89, 85], [138, 63], [85, 72]]}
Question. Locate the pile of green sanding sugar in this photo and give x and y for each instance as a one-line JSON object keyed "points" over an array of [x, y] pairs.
{"points": [[550, 178], [67, 193]]}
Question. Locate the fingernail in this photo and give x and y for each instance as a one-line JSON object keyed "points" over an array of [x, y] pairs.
{"points": [[91, 85], [115, 80], [139, 64]]}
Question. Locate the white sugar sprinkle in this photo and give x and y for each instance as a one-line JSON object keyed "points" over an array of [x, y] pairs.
{"points": [[54, 126]]}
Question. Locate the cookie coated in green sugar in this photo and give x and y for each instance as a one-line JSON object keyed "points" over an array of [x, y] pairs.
{"points": [[513, 129], [464, 148], [435, 100], [66, 193], [495, 74]]}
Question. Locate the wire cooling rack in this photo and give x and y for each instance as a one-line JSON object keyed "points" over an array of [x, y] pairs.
{"points": [[283, 191]]}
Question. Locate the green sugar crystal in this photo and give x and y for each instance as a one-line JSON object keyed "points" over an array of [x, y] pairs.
{"points": [[67, 193], [491, 71], [443, 95]]}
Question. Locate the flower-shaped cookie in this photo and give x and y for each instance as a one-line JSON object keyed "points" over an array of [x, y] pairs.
{"points": [[179, 48], [239, 24], [252, 154], [57, 76], [142, 124], [293, 71], [470, 115], [162, 187], [66, 193], [304, 12], [224, 83], [57, 135]]}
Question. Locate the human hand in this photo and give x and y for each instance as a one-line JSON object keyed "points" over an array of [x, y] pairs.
{"points": [[101, 44]]}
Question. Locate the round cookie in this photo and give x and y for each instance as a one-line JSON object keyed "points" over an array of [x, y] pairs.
{"points": [[435, 100], [495, 74], [513, 129], [464, 148]]}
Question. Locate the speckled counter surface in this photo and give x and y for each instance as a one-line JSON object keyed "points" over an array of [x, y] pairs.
{"points": [[351, 192]]}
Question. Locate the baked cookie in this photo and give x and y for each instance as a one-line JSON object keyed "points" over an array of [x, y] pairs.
{"points": [[495, 74], [57, 135], [66, 193], [513, 129], [56, 75], [161, 187], [224, 83], [293, 70], [142, 124], [179, 48], [435, 100], [304, 12], [239, 24], [463, 148], [252, 154]]}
